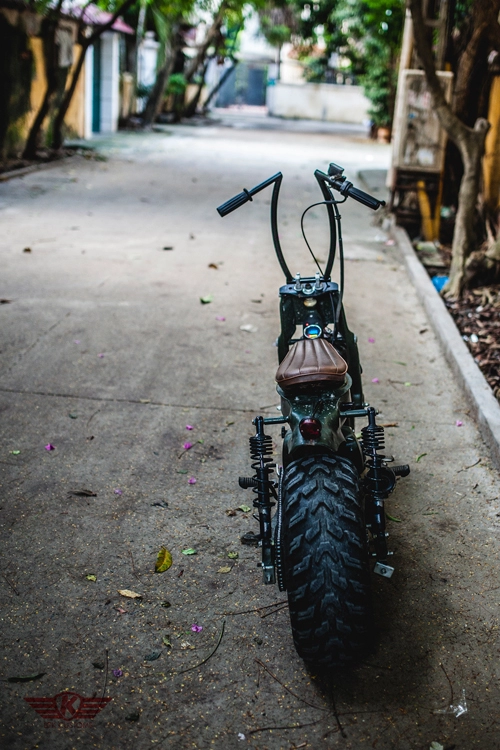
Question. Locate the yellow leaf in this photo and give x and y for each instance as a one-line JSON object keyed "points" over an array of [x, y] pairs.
{"points": [[91, 578], [129, 594], [164, 560], [225, 569]]}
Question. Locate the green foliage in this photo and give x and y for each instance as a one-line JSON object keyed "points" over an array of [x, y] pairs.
{"points": [[366, 34], [176, 84]]}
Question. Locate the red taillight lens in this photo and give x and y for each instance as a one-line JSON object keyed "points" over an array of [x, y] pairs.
{"points": [[310, 429]]}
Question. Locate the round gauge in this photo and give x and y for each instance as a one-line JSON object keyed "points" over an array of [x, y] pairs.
{"points": [[312, 331]]}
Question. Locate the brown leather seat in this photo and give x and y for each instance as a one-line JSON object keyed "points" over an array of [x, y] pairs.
{"points": [[311, 361]]}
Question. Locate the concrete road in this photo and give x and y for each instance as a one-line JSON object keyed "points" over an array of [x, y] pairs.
{"points": [[108, 355]]}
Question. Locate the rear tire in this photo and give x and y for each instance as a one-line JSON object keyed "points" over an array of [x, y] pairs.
{"points": [[325, 561]]}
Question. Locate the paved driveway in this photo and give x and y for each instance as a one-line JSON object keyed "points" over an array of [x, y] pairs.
{"points": [[108, 355]]}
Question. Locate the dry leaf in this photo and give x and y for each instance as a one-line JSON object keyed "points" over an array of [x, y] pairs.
{"points": [[225, 569], [164, 560], [129, 594]]}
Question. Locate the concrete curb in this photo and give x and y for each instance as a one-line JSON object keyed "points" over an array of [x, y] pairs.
{"points": [[485, 406], [4, 176]]}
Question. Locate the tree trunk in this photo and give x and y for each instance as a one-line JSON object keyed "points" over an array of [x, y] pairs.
{"points": [[219, 85], [155, 98], [85, 42], [470, 142], [190, 108], [51, 63]]}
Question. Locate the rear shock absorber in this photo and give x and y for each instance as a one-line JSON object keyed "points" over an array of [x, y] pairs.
{"points": [[261, 446], [379, 481]]}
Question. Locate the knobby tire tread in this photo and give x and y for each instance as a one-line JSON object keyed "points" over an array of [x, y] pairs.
{"points": [[326, 561]]}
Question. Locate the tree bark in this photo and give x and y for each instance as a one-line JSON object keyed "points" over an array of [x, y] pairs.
{"points": [[470, 142], [57, 134], [51, 63], [155, 98]]}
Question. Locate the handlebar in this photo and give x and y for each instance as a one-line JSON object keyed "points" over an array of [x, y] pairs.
{"points": [[246, 195], [346, 188]]}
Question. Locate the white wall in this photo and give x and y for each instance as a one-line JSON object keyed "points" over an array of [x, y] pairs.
{"points": [[110, 81], [318, 101]]}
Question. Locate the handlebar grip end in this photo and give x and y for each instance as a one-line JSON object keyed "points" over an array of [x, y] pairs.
{"points": [[233, 203]]}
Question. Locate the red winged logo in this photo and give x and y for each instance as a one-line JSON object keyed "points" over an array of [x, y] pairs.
{"points": [[67, 706]]}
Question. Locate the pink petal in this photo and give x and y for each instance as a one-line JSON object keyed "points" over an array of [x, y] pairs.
{"points": [[191, 480], [220, 317], [189, 427], [100, 355], [458, 423], [49, 447], [196, 628], [371, 341], [187, 446], [77, 341], [118, 492], [375, 380]]}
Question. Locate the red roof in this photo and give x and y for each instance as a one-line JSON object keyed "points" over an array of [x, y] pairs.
{"points": [[94, 16]]}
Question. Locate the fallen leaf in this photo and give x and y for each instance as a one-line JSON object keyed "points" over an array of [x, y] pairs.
{"points": [[160, 504], [166, 641], [233, 555], [133, 717], [213, 265], [224, 569], [129, 594], [166, 604], [82, 493], [15, 453], [98, 664], [144, 400], [230, 512], [153, 656], [391, 518], [27, 250], [421, 455], [28, 678], [400, 363], [164, 560], [91, 577], [228, 424], [244, 508], [390, 424], [167, 247], [207, 299], [73, 416], [186, 644], [189, 551], [182, 471], [5, 301]]}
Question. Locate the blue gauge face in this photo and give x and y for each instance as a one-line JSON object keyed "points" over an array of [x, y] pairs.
{"points": [[312, 331]]}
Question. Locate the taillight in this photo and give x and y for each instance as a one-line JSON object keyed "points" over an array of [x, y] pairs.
{"points": [[310, 428]]}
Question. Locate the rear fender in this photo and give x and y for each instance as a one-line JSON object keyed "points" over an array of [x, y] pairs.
{"points": [[325, 407]]}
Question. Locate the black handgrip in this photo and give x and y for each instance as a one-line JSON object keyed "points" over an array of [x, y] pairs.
{"points": [[364, 198], [233, 203]]}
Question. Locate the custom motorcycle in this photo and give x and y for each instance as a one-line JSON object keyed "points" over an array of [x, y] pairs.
{"points": [[330, 488]]}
